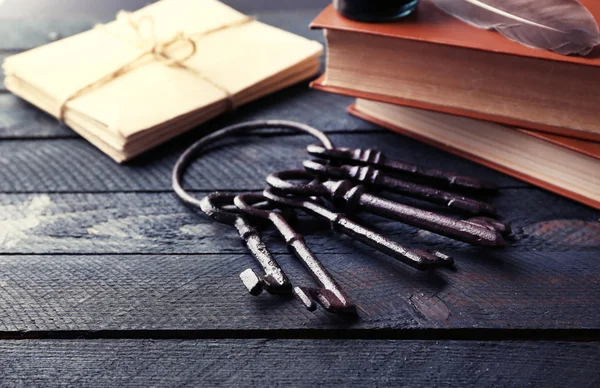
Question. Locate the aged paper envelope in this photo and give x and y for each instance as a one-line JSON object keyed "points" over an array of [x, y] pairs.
{"points": [[135, 82]]}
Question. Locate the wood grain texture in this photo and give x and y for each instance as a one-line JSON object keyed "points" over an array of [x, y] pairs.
{"points": [[566, 232], [281, 363], [23, 34], [20, 120], [295, 21], [203, 293], [89, 248], [73, 165], [158, 223]]}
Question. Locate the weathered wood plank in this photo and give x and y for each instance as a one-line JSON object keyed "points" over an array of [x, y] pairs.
{"points": [[159, 223], [74, 165], [295, 21], [511, 290], [20, 120], [284, 363], [22, 34]]}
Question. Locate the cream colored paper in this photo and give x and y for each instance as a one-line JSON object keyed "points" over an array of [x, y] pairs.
{"points": [[153, 101]]}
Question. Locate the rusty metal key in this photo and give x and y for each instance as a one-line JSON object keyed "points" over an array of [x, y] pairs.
{"points": [[330, 295], [417, 258], [375, 178], [274, 279], [377, 159], [356, 198]]}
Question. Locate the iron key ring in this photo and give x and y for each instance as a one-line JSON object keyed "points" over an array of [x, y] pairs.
{"points": [[196, 149]]}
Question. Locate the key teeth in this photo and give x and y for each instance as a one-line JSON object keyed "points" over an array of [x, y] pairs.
{"points": [[432, 259], [305, 297], [315, 149], [252, 281], [448, 260], [331, 303], [256, 284], [492, 224], [276, 285]]}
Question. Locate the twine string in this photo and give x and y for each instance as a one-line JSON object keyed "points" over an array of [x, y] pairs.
{"points": [[159, 51]]}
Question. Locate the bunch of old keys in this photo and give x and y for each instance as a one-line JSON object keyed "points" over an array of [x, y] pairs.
{"points": [[334, 188]]}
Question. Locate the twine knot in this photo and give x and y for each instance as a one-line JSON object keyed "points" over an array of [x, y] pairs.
{"points": [[161, 51]]}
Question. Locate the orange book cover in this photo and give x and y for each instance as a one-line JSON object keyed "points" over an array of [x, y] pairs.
{"points": [[429, 24], [589, 148]]}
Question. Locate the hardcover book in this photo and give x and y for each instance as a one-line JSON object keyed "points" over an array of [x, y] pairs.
{"points": [[436, 62], [565, 166]]}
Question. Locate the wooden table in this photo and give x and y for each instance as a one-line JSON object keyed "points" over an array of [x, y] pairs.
{"points": [[106, 279]]}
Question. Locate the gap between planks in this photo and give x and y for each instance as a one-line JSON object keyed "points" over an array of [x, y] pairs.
{"points": [[13, 51], [465, 334], [242, 251], [198, 191]]}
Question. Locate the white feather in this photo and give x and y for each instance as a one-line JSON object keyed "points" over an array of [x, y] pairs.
{"points": [[564, 26]]}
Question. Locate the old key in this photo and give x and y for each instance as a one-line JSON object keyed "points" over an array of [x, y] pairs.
{"points": [[330, 295], [274, 279], [355, 198], [416, 258], [377, 179], [377, 159], [285, 194]]}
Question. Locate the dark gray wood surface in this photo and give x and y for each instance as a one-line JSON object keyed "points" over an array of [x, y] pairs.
{"points": [[106, 279], [202, 292], [295, 363], [156, 222]]}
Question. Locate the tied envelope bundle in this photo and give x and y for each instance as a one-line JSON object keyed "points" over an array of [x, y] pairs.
{"points": [[134, 83]]}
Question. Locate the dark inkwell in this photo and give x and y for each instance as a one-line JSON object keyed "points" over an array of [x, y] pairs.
{"points": [[375, 10]]}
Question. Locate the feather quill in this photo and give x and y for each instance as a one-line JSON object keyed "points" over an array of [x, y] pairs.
{"points": [[563, 26]]}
